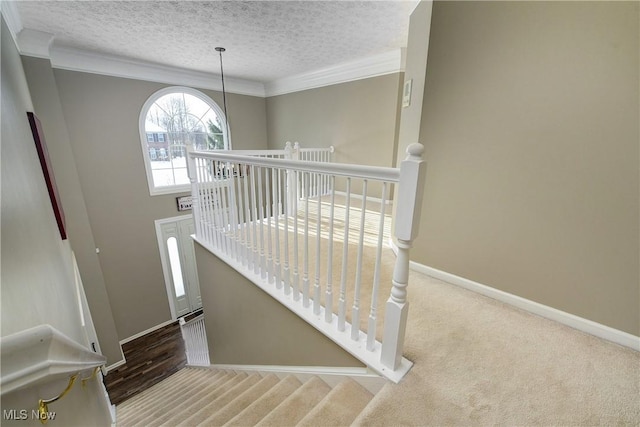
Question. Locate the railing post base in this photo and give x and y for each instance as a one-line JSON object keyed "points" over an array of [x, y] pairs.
{"points": [[395, 324]]}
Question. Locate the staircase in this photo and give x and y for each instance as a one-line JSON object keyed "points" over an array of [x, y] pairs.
{"points": [[211, 397]]}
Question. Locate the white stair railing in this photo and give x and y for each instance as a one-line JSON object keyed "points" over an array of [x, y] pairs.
{"points": [[195, 341], [280, 221]]}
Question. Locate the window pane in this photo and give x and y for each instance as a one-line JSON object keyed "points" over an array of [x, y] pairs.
{"points": [[176, 269], [178, 119]]}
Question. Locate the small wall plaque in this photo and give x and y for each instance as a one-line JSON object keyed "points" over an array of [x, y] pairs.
{"points": [[184, 203]]}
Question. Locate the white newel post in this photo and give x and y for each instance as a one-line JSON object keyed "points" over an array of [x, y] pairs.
{"points": [[407, 221], [193, 178]]}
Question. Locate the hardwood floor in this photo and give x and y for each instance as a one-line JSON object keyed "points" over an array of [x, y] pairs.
{"points": [[150, 359]]}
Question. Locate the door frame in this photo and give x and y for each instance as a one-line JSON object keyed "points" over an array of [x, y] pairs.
{"points": [[165, 262]]}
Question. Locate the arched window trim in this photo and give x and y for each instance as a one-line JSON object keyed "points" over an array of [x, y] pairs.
{"points": [[153, 190]]}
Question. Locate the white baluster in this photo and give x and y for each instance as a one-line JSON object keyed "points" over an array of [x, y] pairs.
{"points": [[286, 273], [371, 329], [247, 218], [232, 211], [275, 180], [241, 221], [410, 192], [296, 275], [218, 209], [316, 284], [291, 177], [256, 258], [355, 316], [342, 303], [267, 208], [305, 273], [263, 260], [328, 298], [192, 172], [212, 205]]}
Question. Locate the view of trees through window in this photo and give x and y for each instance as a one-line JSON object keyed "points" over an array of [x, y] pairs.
{"points": [[173, 121]]}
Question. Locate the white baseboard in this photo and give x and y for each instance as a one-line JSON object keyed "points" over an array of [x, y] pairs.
{"points": [[571, 320], [588, 326], [331, 375]]}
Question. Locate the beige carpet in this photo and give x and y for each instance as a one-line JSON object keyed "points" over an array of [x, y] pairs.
{"points": [[211, 397], [481, 362]]}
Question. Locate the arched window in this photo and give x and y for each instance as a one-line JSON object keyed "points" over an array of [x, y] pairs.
{"points": [[170, 119]]}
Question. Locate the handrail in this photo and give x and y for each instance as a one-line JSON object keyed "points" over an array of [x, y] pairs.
{"points": [[41, 354], [256, 152], [377, 173]]}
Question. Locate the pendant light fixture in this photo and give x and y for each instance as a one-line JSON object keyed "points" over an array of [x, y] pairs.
{"points": [[224, 96]]}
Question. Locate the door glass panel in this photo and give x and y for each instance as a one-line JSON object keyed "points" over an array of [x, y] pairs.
{"points": [[176, 269]]}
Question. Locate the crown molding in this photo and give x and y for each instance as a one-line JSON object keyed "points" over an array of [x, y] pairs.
{"points": [[372, 66], [34, 43], [89, 62], [11, 17]]}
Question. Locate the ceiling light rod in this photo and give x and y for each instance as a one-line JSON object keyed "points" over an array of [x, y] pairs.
{"points": [[224, 95]]}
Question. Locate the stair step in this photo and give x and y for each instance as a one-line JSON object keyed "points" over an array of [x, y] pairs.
{"points": [[198, 396], [226, 383], [149, 405], [159, 388], [265, 404], [189, 397], [221, 401], [340, 407], [245, 399], [296, 406]]}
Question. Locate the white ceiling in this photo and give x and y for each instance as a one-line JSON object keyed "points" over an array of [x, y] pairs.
{"points": [[265, 40]]}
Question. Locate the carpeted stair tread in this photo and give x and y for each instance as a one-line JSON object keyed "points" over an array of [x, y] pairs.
{"points": [[231, 380], [243, 400], [159, 388], [266, 403], [181, 396], [148, 406], [296, 406], [202, 399], [191, 397], [221, 401], [163, 389], [340, 407]]}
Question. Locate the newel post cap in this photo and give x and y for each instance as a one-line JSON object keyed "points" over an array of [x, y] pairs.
{"points": [[415, 151]]}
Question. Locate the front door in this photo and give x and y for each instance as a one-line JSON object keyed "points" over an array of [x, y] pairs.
{"points": [[179, 264]]}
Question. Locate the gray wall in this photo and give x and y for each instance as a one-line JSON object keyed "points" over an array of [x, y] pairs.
{"points": [[102, 114], [530, 121], [37, 280], [358, 118], [47, 107], [247, 326]]}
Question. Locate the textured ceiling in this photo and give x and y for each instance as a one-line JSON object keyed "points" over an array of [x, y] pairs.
{"points": [[265, 40]]}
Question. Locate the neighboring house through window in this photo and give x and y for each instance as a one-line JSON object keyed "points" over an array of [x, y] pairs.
{"points": [[170, 119]]}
